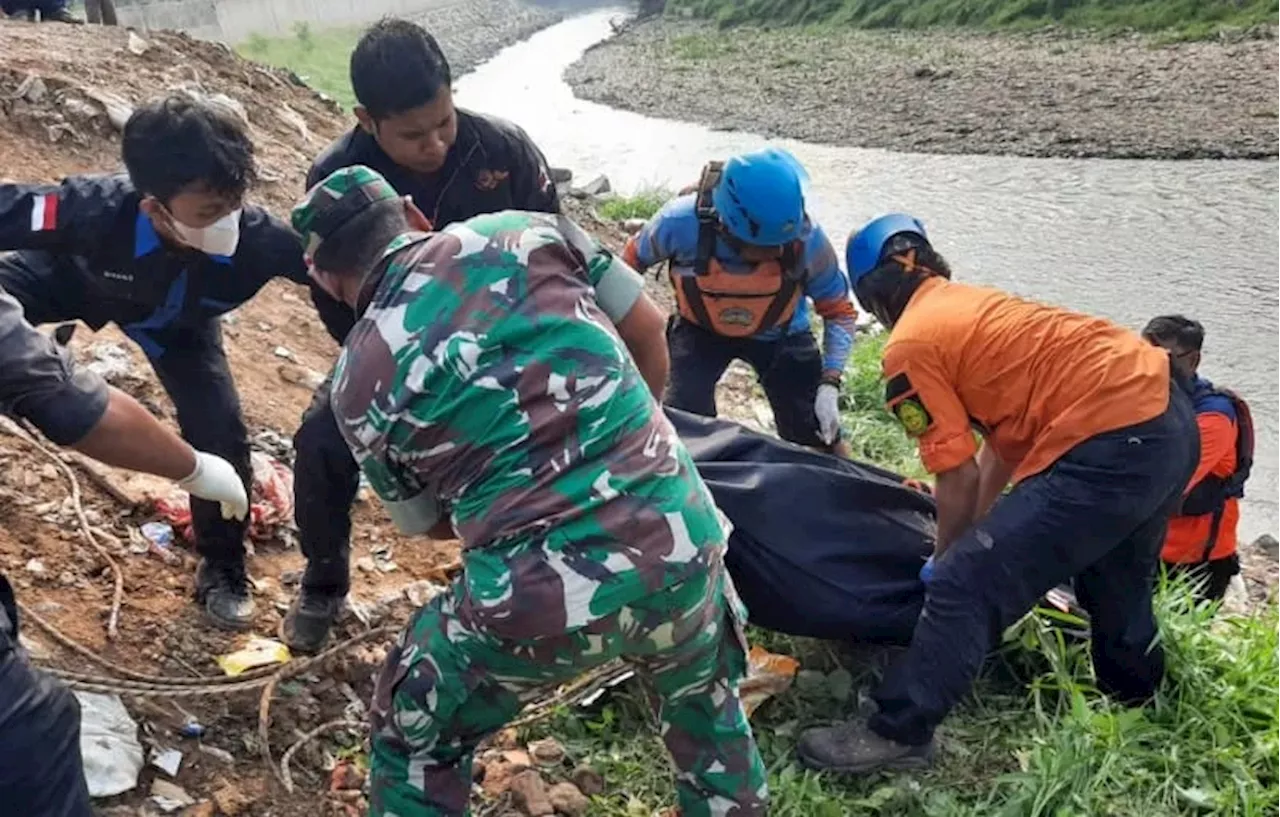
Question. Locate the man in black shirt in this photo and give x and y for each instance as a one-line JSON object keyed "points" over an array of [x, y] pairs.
{"points": [[162, 253], [454, 164]]}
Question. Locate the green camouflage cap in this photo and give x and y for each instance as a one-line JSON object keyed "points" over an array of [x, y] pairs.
{"points": [[342, 196]]}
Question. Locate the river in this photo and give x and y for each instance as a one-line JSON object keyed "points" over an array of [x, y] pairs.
{"points": [[1124, 239]]}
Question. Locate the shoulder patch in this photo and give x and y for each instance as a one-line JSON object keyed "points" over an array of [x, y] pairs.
{"points": [[904, 401], [915, 418]]}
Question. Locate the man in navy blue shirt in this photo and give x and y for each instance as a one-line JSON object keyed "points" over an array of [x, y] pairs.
{"points": [[162, 252]]}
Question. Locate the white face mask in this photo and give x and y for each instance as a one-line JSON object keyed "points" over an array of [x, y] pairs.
{"points": [[219, 238]]}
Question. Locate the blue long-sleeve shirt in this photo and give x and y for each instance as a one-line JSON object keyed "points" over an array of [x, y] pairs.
{"points": [[672, 235]]}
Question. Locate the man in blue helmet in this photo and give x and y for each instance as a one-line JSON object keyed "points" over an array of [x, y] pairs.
{"points": [[1083, 417], [745, 259]]}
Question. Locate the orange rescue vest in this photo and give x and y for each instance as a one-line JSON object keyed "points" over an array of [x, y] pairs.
{"points": [[735, 305]]}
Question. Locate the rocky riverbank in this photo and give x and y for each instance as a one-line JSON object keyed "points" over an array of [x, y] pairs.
{"points": [[472, 32], [1044, 94]]}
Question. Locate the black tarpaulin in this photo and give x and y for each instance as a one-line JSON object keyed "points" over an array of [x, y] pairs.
{"points": [[822, 546]]}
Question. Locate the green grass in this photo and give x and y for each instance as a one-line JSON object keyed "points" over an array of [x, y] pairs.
{"points": [[1186, 18], [319, 57], [1035, 740], [641, 204]]}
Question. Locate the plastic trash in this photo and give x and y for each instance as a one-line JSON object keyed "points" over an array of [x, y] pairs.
{"points": [[192, 729], [768, 674], [259, 652], [167, 761], [109, 745]]}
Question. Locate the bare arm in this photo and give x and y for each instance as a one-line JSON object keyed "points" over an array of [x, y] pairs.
{"points": [[957, 496], [127, 436], [643, 330], [993, 476]]}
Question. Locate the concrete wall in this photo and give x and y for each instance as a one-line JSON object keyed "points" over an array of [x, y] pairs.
{"points": [[232, 21]]}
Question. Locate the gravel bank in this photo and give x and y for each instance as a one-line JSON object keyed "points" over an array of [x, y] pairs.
{"points": [[1028, 95], [473, 31]]}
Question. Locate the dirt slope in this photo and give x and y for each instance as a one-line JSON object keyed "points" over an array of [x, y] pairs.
{"points": [[57, 88]]}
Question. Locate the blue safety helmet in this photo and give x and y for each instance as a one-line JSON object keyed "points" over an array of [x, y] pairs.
{"points": [[862, 253], [760, 198]]}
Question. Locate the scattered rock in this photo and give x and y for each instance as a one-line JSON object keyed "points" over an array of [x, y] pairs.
{"points": [[291, 117], [32, 89], [1267, 545], [118, 110], [48, 472], [214, 752], [420, 592], [596, 187], [281, 351], [78, 108], [231, 801], [518, 759], [588, 780], [202, 809], [36, 567], [568, 800], [301, 375], [291, 578], [531, 794], [366, 564], [560, 175], [345, 776], [546, 752], [136, 45], [632, 226]]}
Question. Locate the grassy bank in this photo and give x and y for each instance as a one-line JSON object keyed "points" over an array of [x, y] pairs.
{"points": [[1192, 18], [319, 57]]}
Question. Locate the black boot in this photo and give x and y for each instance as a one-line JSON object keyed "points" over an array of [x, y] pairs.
{"points": [[306, 626], [223, 588], [854, 748]]}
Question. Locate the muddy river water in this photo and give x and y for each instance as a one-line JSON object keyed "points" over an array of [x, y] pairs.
{"points": [[1124, 239]]}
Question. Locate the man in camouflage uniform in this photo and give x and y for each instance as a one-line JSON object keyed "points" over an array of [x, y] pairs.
{"points": [[485, 383]]}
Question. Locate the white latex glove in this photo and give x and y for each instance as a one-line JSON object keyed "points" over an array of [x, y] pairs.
{"points": [[215, 480], [827, 407]]}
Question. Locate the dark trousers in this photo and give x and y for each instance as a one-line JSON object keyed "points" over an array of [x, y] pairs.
{"points": [[789, 368], [325, 481], [191, 365], [41, 772], [1099, 515]]}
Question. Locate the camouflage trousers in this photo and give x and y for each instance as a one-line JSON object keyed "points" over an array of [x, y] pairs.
{"points": [[446, 686]]}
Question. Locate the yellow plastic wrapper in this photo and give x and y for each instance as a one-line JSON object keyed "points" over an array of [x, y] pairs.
{"points": [[768, 674], [259, 652]]}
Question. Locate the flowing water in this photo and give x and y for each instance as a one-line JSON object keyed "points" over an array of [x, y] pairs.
{"points": [[1124, 239]]}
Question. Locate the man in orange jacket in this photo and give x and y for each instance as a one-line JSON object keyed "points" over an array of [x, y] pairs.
{"points": [[1202, 534], [1085, 420]]}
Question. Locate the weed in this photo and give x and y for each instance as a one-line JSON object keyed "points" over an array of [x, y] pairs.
{"points": [[319, 56], [642, 204], [1181, 19]]}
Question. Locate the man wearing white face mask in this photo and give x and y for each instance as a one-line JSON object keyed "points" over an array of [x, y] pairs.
{"points": [[162, 252]]}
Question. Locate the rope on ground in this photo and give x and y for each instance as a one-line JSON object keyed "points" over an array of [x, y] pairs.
{"points": [[158, 687], [122, 672], [117, 596], [283, 773]]}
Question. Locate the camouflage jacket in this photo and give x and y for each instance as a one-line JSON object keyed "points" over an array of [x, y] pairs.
{"points": [[484, 372]]}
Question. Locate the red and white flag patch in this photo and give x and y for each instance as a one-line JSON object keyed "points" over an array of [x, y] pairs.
{"points": [[44, 212]]}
